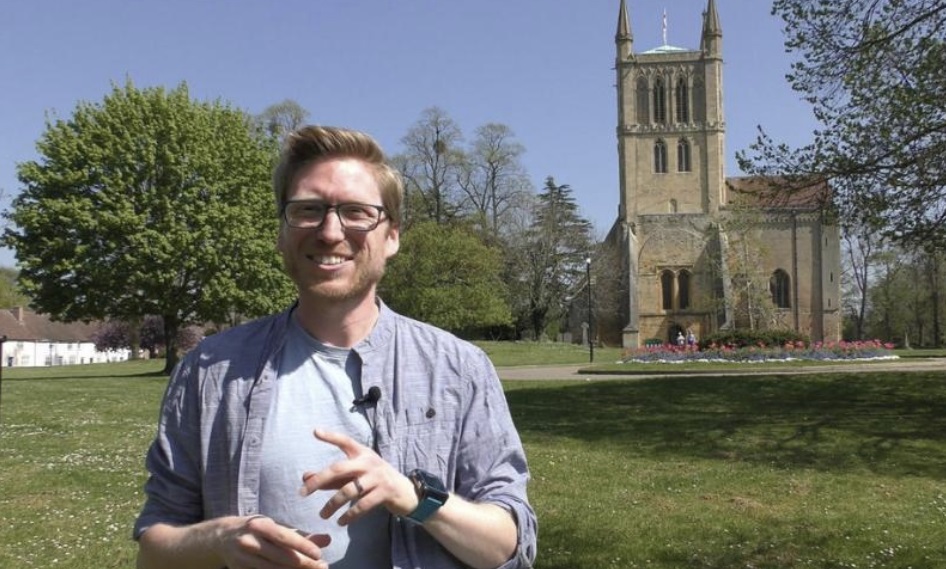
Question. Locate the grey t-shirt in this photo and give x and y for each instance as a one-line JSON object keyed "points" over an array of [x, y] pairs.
{"points": [[316, 388]]}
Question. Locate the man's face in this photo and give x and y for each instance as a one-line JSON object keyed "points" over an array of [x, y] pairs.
{"points": [[329, 262]]}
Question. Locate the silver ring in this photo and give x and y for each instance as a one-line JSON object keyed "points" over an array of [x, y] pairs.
{"points": [[358, 486]]}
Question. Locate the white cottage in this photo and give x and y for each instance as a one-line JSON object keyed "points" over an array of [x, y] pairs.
{"points": [[35, 340]]}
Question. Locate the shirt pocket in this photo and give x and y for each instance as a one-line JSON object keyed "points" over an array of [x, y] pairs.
{"points": [[428, 437]]}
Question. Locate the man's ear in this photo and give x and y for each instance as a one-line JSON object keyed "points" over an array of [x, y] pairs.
{"points": [[393, 242]]}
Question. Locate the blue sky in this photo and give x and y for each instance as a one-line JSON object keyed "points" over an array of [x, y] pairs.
{"points": [[542, 67]]}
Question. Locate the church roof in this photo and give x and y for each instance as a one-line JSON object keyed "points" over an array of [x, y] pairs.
{"points": [[779, 193], [667, 49]]}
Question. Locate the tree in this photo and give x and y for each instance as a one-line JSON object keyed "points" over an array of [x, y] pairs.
{"points": [[149, 335], [873, 73], [10, 295], [750, 301], [282, 118], [860, 248], [888, 297], [149, 203], [551, 260], [429, 165], [446, 276], [492, 177]]}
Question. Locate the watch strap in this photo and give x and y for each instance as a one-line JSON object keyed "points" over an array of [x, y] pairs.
{"points": [[431, 495], [425, 508]]}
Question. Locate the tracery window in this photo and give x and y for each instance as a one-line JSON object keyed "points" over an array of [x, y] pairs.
{"points": [[666, 289], [682, 100], [683, 155], [643, 102], [683, 290], [660, 101], [660, 157]]}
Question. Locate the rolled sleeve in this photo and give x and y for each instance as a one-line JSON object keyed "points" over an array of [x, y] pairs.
{"points": [[492, 466], [173, 489]]}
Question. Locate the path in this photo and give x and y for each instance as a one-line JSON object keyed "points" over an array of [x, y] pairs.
{"points": [[571, 371]]}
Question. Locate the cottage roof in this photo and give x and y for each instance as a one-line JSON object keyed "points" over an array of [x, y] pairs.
{"points": [[25, 325]]}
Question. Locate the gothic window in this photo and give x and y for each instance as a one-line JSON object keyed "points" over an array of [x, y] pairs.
{"points": [[660, 101], [683, 155], [682, 101], [660, 157], [683, 290], [779, 285], [666, 289], [643, 100]]}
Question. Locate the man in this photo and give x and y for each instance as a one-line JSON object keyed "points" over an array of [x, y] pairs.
{"points": [[337, 433]]}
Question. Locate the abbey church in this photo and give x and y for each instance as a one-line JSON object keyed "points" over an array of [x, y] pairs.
{"points": [[699, 251]]}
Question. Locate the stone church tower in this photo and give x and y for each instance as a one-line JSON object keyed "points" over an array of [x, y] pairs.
{"points": [[699, 251]]}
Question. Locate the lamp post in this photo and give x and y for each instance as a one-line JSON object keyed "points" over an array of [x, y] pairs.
{"points": [[591, 323]]}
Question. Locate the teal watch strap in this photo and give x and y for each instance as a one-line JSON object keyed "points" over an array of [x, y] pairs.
{"points": [[425, 509], [431, 494]]}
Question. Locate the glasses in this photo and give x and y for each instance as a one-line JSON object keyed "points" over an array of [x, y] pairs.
{"points": [[311, 214]]}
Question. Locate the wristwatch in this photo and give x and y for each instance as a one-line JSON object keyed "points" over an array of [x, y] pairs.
{"points": [[431, 494]]}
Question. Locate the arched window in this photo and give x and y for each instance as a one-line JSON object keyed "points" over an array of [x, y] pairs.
{"points": [[780, 286], [660, 101], [666, 289], [674, 207], [643, 102], [683, 290], [683, 155], [660, 157], [682, 100]]}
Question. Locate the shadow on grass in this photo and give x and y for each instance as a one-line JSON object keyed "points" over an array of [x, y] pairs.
{"points": [[147, 369], [886, 423]]}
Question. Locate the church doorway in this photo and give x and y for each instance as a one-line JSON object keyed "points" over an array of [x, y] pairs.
{"points": [[676, 332]]}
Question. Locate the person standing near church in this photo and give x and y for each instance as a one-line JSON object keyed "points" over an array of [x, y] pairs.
{"points": [[337, 433]]}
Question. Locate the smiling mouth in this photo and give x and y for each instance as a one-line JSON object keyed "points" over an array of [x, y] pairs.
{"points": [[327, 259]]}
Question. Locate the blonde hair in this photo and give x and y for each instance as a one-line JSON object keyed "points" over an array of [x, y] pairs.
{"points": [[313, 143]]}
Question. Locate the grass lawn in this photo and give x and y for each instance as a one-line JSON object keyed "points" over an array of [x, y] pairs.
{"points": [[818, 471], [545, 353]]}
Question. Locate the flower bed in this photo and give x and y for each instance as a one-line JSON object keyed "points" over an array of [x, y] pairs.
{"points": [[817, 351]]}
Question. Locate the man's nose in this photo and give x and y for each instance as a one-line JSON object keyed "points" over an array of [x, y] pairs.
{"points": [[331, 228]]}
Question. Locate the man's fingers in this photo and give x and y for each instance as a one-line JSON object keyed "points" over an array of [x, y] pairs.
{"points": [[347, 444], [281, 544]]}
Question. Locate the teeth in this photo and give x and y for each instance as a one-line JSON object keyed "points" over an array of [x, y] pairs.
{"points": [[330, 260]]}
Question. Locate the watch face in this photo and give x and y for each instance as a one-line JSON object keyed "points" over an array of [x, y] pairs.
{"points": [[423, 480]]}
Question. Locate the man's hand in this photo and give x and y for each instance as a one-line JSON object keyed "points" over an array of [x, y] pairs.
{"points": [[260, 538], [232, 541], [363, 480]]}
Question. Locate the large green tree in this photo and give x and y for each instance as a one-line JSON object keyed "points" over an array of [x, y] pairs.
{"points": [[873, 73], [149, 203], [445, 275]]}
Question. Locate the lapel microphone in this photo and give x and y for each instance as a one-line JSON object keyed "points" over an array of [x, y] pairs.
{"points": [[370, 398]]}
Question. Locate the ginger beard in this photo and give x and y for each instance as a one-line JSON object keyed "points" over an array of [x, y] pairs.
{"points": [[347, 283]]}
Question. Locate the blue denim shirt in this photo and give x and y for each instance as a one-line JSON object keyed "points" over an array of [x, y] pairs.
{"points": [[442, 409]]}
